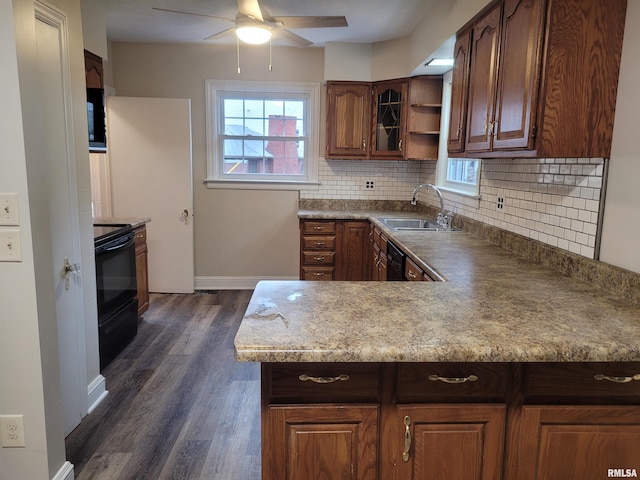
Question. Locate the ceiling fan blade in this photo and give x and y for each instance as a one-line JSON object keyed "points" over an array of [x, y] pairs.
{"points": [[311, 22], [292, 38], [220, 34], [251, 8], [191, 13]]}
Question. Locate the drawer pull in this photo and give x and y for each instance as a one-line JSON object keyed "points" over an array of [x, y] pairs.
{"points": [[340, 378], [319, 259], [412, 275], [470, 378], [319, 227], [319, 244], [407, 438], [600, 376]]}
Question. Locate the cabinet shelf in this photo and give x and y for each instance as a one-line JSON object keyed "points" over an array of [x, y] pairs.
{"points": [[426, 105], [425, 132]]}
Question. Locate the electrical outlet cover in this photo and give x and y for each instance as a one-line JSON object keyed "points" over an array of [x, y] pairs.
{"points": [[9, 209], [10, 249], [12, 430]]}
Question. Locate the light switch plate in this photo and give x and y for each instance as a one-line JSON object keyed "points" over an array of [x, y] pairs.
{"points": [[9, 209], [10, 250]]}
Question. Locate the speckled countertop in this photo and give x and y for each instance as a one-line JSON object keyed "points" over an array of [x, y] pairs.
{"points": [[494, 307], [135, 222]]}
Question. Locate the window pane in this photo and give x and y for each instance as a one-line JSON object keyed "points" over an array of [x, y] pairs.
{"points": [[286, 157], [463, 171], [253, 108], [254, 127], [262, 134], [273, 107]]}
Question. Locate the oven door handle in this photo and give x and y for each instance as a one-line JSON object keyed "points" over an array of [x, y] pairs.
{"points": [[110, 247]]}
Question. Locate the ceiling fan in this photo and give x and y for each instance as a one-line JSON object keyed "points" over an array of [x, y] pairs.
{"points": [[253, 24]]}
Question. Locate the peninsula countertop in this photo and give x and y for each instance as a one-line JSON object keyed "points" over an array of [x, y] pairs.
{"points": [[493, 307]]}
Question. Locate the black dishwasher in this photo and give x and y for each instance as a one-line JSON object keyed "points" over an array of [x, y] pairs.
{"points": [[395, 263]]}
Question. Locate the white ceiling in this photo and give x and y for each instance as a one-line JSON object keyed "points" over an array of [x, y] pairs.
{"points": [[369, 20]]}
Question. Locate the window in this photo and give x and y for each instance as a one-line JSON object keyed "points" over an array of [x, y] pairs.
{"points": [[460, 175], [262, 133]]}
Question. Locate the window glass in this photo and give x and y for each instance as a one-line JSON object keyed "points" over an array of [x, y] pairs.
{"points": [[461, 175], [261, 132]]}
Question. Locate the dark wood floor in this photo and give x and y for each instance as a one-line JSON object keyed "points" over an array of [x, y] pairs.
{"points": [[179, 405]]}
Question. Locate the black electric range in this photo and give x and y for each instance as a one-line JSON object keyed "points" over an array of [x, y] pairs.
{"points": [[116, 288], [104, 233]]}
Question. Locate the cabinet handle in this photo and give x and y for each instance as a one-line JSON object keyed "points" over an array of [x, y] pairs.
{"points": [[494, 129], [319, 227], [319, 244], [318, 274], [340, 378], [364, 144], [400, 145], [600, 376], [407, 438], [319, 259], [411, 274], [470, 378]]}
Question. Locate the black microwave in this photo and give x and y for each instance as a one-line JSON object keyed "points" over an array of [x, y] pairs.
{"points": [[95, 118]]}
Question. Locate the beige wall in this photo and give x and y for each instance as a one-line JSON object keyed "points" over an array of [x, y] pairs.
{"points": [[29, 375], [239, 234], [621, 229]]}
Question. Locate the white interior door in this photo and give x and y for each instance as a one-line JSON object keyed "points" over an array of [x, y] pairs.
{"points": [[149, 144], [59, 166]]}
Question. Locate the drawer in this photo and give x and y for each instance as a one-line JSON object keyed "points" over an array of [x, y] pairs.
{"points": [[310, 242], [318, 258], [412, 272], [318, 273], [379, 239], [321, 382], [141, 236], [598, 382], [324, 228], [452, 382]]}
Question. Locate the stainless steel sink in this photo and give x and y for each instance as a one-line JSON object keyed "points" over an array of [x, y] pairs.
{"points": [[412, 223]]}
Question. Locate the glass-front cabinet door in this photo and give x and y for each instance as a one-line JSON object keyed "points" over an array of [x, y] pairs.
{"points": [[389, 122]]}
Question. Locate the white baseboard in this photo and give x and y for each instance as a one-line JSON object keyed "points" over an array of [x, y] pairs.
{"points": [[233, 283], [65, 472], [96, 392]]}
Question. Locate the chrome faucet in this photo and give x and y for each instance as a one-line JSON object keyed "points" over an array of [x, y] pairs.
{"points": [[444, 219]]}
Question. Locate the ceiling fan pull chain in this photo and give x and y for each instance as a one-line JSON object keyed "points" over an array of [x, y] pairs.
{"points": [[238, 53], [270, 67]]}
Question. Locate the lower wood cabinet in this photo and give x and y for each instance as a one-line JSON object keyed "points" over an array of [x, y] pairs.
{"points": [[578, 442], [453, 421], [334, 250], [142, 269], [320, 441], [448, 442]]}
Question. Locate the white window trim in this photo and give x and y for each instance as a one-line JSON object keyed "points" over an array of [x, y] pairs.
{"points": [[213, 90], [458, 188]]}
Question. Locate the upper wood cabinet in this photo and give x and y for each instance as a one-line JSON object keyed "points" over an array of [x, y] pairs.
{"points": [[93, 70], [348, 119], [543, 79], [393, 119], [423, 118], [389, 119], [459, 92]]}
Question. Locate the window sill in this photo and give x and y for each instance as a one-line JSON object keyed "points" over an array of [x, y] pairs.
{"points": [[461, 193], [260, 184]]}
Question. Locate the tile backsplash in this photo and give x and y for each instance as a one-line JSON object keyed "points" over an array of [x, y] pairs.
{"points": [[555, 201]]}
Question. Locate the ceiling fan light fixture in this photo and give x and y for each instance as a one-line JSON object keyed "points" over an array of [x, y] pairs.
{"points": [[439, 62], [253, 33]]}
